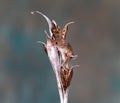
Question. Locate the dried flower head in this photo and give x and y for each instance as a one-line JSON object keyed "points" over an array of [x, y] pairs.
{"points": [[59, 52]]}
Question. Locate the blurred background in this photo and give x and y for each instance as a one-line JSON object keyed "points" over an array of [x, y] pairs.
{"points": [[26, 76]]}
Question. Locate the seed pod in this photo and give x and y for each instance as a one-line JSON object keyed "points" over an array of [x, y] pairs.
{"points": [[66, 76]]}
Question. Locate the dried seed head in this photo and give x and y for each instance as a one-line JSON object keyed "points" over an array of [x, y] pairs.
{"points": [[65, 28], [60, 53], [66, 51], [66, 76], [55, 30], [47, 19]]}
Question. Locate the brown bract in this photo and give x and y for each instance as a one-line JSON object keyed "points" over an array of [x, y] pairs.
{"points": [[66, 76]]}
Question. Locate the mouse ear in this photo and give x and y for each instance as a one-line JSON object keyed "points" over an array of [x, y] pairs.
{"points": [[47, 19], [65, 28]]}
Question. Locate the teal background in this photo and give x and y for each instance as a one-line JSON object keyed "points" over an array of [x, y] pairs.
{"points": [[26, 75]]}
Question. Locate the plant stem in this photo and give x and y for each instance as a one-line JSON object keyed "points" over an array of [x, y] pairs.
{"points": [[66, 96]]}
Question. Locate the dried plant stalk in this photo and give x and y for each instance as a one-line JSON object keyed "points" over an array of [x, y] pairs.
{"points": [[59, 52]]}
